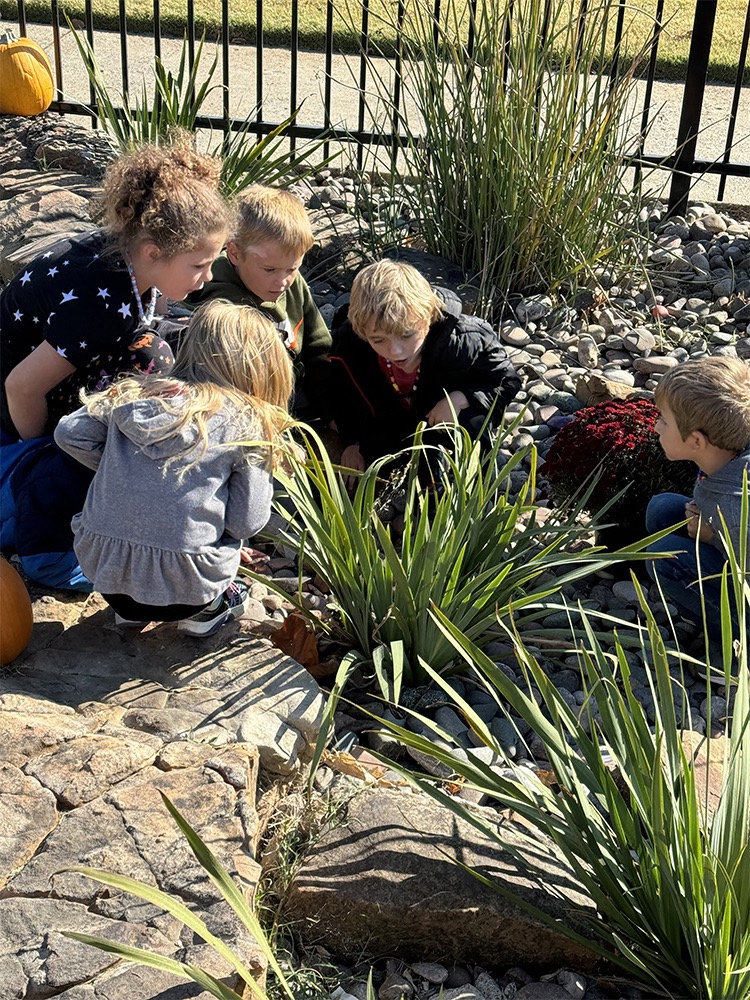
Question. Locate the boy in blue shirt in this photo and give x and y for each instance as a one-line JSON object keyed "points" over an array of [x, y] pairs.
{"points": [[704, 418]]}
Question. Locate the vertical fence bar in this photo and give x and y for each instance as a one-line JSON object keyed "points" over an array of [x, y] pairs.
{"points": [[294, 68], [654, 46], [89, 19], [259, 61], [580, 28], [364, 46], [618, 42], [735, 102], [157, 28], [692, 104], [22, 18], [328, 76], [225, 67], [124, 71], [472, 28], [397, 80], [57, 49], [191, 32]]}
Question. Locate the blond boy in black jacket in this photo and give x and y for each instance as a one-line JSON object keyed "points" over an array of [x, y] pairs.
{"points": [[401, 351]]}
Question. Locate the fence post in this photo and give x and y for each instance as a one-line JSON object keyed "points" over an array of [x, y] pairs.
{"points": [[692, 104]]}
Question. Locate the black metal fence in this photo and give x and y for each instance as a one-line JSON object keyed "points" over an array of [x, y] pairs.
{"points": [[681, 160]]}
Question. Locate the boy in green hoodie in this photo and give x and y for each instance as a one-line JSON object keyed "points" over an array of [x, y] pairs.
{"points": [[260, 268]]}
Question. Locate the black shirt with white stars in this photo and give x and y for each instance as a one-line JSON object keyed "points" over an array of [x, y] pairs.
{"points": [[78, 297]]}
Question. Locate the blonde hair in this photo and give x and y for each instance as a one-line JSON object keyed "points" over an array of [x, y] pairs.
{"points": [[229, 354], [265, 213], [711, 396], [166, 195], [395, 297]]}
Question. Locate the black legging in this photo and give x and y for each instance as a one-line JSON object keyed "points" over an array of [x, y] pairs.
{"points": [[134, 611]]}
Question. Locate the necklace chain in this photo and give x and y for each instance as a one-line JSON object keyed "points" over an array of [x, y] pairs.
{"points": [[392, 378], [144, 318]]}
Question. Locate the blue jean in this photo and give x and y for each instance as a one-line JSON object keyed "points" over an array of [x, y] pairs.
{"points": [[678, 574]]}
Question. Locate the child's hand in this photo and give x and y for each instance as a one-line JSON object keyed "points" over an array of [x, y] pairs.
{"points": [[352, 458], [253, 559], [442, 412], [695, 526], [293, 452]]}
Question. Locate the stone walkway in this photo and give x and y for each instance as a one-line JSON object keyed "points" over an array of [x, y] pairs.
{"points": [[95, 721]]}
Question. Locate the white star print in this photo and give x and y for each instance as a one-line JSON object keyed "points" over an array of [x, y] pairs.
{"points": [[18, 315], [52, 272], [68, 297], [35, 319], [65, 263], [83, 344], [61, 351], [124, 310], [103, 293], [45, 255], [25, 277]]}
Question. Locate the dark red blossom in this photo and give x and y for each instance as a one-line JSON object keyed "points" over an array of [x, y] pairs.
{"points": [[618, 441]]}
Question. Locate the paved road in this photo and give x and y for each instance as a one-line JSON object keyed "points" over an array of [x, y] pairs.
{"points": [[276, 96]]}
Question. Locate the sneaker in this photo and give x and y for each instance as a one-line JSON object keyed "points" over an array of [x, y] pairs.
{"points": [[231, 604]]}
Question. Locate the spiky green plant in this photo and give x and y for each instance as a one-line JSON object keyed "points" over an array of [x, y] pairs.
{"points": [[469, 548], [230, 892], [669, 874], [515, 140], [174, 108]]}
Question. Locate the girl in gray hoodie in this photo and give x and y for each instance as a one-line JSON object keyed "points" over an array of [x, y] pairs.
{"points": [[183, 472]]}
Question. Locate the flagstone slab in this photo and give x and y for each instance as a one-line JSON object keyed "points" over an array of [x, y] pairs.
{"points": [[28, 814], [389, 875], [95, 723]]}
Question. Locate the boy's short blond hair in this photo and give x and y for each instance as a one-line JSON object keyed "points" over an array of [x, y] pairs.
{"points": [[272, 214], [711, 396], [395, 297]]}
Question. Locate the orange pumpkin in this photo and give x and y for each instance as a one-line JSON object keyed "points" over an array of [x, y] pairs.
{"points": [[26, 86], [16, 618]]}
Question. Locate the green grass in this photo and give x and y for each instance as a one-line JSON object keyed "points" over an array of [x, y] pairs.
{"points": [[673, 49]]}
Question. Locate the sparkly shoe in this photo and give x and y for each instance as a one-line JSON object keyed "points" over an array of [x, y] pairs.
{"points": [[231, 604]]}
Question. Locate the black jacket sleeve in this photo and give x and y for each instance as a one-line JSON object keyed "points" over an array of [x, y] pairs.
{"points": [[474, 361]]}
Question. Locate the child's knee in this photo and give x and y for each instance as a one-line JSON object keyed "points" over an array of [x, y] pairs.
{"points": [[58, 570], [665, 510]]}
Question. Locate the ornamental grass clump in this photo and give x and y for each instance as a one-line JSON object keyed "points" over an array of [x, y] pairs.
{"points": [[653, 823], [173, 111], [515, 140], [475, 548], [613, 449]]}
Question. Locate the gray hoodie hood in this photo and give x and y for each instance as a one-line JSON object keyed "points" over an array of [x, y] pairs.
{"points": [[148, 424]]}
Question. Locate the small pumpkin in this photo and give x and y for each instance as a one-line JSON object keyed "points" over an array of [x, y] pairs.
{"points": [[16, 616], [26, 86]]}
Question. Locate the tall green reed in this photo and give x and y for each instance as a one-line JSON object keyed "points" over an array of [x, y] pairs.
{"points": [[514, 144]]}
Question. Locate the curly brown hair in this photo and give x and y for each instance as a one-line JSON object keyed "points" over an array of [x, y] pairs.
{"points": [[166, 195]]}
